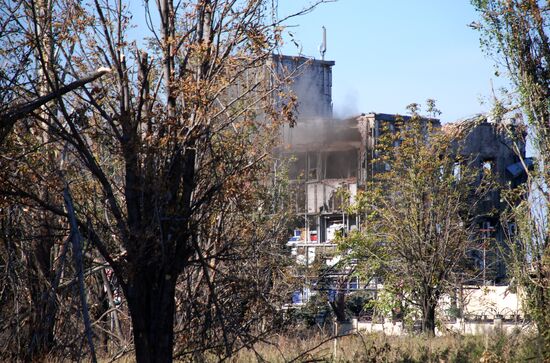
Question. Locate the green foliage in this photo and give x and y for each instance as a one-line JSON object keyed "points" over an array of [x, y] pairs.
{"points": [[417, 216], [516, 33], [358, 303], [389, 305], [316, 310], [454, 312], [432, 110]]}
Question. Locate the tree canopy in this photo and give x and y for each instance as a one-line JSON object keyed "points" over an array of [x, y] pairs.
{"points": [[418, 216]]}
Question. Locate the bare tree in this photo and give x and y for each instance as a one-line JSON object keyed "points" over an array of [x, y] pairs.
{"points": [[166, 157]]}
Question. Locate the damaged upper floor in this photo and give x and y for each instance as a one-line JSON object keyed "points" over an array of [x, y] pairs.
{"points": [[327, 155]]}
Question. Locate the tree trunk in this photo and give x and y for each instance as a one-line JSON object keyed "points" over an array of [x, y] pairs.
{"points": [[428, 317], [339, 306], [41, 325], [43, 312], [151, 302]]}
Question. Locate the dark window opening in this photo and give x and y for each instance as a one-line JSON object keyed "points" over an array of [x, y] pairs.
{"points": [[298, 197], [297, 166], [341, 164], [312, 166]]}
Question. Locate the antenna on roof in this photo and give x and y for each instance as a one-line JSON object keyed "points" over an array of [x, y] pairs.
{"points": [[323, 46]]}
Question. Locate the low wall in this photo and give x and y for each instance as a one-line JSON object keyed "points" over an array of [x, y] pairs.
{"points": [[481, 327], [460, 327], [491, 301]]}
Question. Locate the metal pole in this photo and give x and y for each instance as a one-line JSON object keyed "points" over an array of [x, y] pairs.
{"points": [[484, 262]]}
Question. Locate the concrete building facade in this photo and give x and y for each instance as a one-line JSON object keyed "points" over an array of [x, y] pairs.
{"points": [[311, 84], [331, 159]]}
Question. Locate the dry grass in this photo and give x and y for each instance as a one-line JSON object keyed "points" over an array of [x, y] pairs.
{"points": [[378, 348], [381, 348]]}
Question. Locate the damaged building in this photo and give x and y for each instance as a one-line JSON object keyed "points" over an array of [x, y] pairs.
{"points": [[487, 145], [329, 160]]}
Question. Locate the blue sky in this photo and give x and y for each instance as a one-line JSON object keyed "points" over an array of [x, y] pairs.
{"points": [[394, 52], [390, 53]]}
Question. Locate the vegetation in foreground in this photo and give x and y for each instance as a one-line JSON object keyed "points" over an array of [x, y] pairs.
{"points": [[371, 347]]}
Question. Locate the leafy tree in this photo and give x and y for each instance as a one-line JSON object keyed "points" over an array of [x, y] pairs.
{"points": [[418, 216], [515, 33]]}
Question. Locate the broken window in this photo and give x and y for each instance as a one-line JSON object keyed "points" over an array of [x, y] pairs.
{"points": [[457, 171], [512, 230], [297, 166], [297, 197], [487, 172], [488, 167], [441, 172], [312, 166], [341, 164], [486, 229]]}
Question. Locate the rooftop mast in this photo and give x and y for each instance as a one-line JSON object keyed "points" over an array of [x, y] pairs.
{"points": [[323, 46]]}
